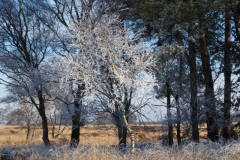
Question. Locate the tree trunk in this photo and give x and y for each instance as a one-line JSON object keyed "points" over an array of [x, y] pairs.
{"points": [[45, 129], [170, 132], [34, 128], [170, 128], [120, 126], [42, 113], [75, 135], [211, 113], [28, 129], [180, 82], [127, 103], [235, 9], [122, 135], [227, 76], [193, 88], [191, 57], [129, 131], [126, 124], [28, 117], [178, 124], [177, 100]]}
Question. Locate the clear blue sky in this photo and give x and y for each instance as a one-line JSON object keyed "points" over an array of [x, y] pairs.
{"points": [[2, 93]]}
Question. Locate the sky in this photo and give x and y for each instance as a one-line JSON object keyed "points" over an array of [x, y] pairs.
{"points": [[2, 94]]}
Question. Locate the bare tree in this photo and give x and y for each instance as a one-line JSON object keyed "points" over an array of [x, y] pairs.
{"points": [[25, 42]]}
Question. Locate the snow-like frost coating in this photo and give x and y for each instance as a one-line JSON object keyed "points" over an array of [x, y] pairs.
{"points": [[106, 58]]}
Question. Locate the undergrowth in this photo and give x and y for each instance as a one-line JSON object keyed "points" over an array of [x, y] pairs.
{"points": [[144, 151]]}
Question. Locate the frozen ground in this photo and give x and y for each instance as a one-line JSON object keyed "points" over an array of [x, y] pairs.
{"points": [[144, 151]]}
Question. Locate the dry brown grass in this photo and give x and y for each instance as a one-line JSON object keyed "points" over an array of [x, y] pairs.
{"points": [[90, 134], [96, 142], [105, 135], [154, 151]]}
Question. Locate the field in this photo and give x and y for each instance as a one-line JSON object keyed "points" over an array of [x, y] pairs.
{"points": [[103, 135], [99, 143]]}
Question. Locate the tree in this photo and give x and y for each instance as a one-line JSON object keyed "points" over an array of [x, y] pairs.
{"points": [[175, 25], [69, 98], [234, 55], [65, 13], [25, 43], [76, 116], [227, 75], [105, 53], [134, 101], [195, 22]]}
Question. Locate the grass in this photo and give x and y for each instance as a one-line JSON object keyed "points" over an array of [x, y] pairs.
{"points": [[97, 143], [149, 151], [105, 135]]}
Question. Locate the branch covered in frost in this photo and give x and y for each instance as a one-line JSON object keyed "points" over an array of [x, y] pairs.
{"points": [[108, 56]]}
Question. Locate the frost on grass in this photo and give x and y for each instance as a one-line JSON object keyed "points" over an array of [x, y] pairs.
{"points": [[144, 151]]}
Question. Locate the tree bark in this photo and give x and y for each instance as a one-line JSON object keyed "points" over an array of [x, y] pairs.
{"points": [[42, 113], [76, 124], [75, 135], [178, 124], [193, 88], [122, 135], [28, 117], [28, 129], [127, 104], [176, 97], [227, 75], [118, 121], [126, 124], [122, 129], [129, 131], [180, 82], [170, 128], [211, 113], [236, 16], [177, 100], [191, 57]]}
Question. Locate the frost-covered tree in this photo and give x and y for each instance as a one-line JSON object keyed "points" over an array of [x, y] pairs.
{"points": [[58, 16], [24, 44], [136, 103], [107, 60], [67, 100]]}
